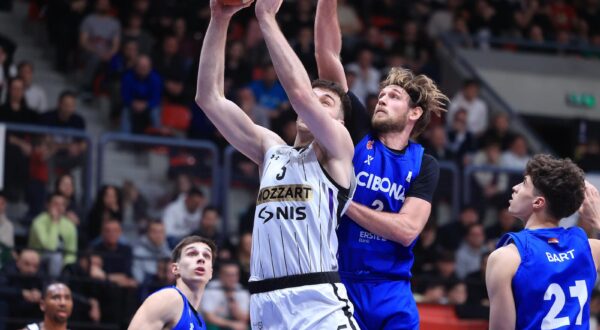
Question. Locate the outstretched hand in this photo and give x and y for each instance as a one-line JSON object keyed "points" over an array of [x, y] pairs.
{"points": [[590, 209], [267, 7], [218, 9]]}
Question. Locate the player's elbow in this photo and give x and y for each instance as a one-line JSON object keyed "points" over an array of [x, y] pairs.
{"points": [[205, 100], [406, 236]]}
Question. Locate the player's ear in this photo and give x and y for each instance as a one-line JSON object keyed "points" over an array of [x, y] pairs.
{"points": [[175, 269], [415, 113], [539, 203]]}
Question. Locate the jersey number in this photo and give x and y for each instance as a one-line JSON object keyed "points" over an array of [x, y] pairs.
{"points": [[281, 174], [579, 291], [377, 205]]}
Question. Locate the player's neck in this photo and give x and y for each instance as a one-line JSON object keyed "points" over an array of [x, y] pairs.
{"points": [[49, 324], [536, 221], [192, 293], [303, 139], [395, 140]]}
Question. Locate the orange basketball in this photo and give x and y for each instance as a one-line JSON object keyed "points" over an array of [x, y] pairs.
{"points": [[234, 2]]}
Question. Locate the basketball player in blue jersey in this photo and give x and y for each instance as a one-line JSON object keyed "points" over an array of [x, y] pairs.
{"points": [[176, 307], [542, 277], [395, 185], [304, 188]]}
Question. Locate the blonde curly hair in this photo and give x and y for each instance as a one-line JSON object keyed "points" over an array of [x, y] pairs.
{"points": [[423, 92]]}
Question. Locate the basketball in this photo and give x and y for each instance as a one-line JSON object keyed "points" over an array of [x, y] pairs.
{"points": [[234, 2]]}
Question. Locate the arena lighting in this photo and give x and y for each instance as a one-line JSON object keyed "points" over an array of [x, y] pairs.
{"points": [[581, 100]]}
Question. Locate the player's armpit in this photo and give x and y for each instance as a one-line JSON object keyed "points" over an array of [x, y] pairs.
{"points": [[159, 310], [501, 268]]}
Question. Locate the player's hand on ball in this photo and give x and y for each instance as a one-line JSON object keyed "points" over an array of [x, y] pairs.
{"points": [[227, 7], [590, 209], [267, 7]]}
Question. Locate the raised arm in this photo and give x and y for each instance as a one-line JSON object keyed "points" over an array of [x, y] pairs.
{"points": [[328, 43], [329, 133], [238, 129], [501, 268]]}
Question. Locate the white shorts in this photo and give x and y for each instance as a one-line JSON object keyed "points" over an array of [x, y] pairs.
{"points": [[317, 306]]}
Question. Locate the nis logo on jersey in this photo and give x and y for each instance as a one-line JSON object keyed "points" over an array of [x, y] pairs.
{"points": [[376, 183]]}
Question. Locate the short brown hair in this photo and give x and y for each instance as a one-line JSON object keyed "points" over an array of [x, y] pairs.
{"points": [[560, 181], [176, 254], [423, 92], [339, 91]]}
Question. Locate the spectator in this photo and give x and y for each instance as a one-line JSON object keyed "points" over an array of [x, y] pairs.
{"points": [[35, 96], [163, 277], [141, 90], [21, 285], [7, 234], [247, 101], [108, 205], [88, 280], [64, 115], [15, 109], [434, 293], [494, 186], [54, 234], [517, 155], [437, 144], [116, 256], [477, 111], [367, 76], [189, 46], [506, 223], [210, 225], [99, 37], [269, 93], [70, 152], [451, 234], [168, 62], [5, 71], [457, 293], [149, 250], [238, 70], [243, 257], [460, 141], [304, 47], [350, 24], [477, 292], [57, 305], [65, 186], [134, 32], [226, 304], [426, 249], [181, 217], [468, 255], [64, 20], [500, 131], [135, 211], [441, 20]]}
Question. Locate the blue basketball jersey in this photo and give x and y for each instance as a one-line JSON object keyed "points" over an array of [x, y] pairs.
{"points": [[190, 319], [553, 284], [382, 179]]}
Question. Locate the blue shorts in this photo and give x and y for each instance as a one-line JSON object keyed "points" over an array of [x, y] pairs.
{"points": [[381, 305]]}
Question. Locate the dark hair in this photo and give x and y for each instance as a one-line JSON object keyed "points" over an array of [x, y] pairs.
{"points": [[49, 284], [559, 181], [54, 194], [195, 192], [59, 179], [176, 254], [66, 93], [470, 82], [210, 208], [339, 91], [23, 64]]}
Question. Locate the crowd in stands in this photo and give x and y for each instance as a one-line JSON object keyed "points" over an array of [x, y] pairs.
{"points": [[141, 55]]}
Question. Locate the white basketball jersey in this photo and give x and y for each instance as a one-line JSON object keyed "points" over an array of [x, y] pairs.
{"points": [[297, 212]]}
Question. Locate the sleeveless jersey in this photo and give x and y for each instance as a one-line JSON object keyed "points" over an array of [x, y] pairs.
{"points": [[382, 178], [190, 319], [297, 211], [553, 284]]}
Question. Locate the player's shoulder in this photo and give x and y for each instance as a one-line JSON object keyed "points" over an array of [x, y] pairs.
{"points": [[506, 257], [429, 163], [165, 297]]}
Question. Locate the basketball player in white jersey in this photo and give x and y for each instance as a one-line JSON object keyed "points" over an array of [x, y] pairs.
{"points": [[304, 189]]}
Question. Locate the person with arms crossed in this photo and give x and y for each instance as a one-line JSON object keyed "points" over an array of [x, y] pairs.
{"points": [[176, 307], [304, 189], [543, 276], [395, 186]]}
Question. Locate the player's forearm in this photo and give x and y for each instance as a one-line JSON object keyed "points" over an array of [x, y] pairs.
{"points": [[328, 43], [289, 68], [392, 226], [211, 66]]}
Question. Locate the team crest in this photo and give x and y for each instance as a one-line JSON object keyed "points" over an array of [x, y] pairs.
{"points": [[370, 144]]}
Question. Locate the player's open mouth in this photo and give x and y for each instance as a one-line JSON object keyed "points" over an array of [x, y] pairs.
{"points": [[199, 270]]}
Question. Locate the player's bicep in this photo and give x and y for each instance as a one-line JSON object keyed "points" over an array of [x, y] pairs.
{"points": [[501, 267]]}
